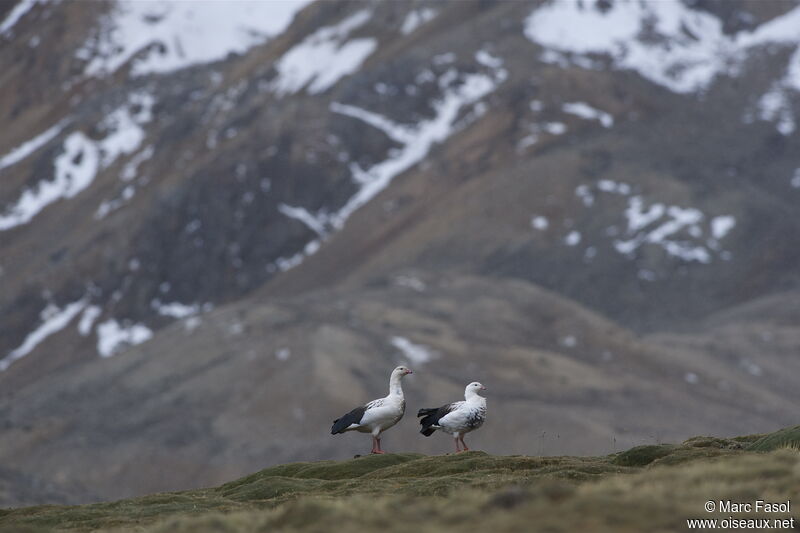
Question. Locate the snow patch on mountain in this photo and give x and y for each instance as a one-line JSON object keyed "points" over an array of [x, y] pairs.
{"points": [[720, 226], [124, 127], [324, 57], [283, 354], [108, 206], [192, 323], [639, 218], [162, 35], [527, 141], [17, 12], [488, 60], [53, 321], [614, 187], [175, 309], [682, 52], [112, 337], [396, 132], [410, 282], [314, 223], [539, 222], [90, 314], [417, 18], [750, 367], [676, 229], [683, 232], [792, 78], [75, 169], [775, 106], [667, 42], [570, 341], [27, 148], [585, 194], [573, 238], [283, 264], [416, 354], [782, 29], [534, 133], [588, 112], [78, 165], [554, 128], [795, 180]]}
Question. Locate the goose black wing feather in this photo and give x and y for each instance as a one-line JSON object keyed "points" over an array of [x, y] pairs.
{"points": [[353, 417], [430, 417]]}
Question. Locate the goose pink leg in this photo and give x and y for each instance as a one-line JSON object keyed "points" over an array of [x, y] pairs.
{"points": [[376, 445]]}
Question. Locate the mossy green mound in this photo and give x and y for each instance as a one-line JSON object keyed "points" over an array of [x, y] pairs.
{"points": [[643, 455], [644, 488], [785, 438]]}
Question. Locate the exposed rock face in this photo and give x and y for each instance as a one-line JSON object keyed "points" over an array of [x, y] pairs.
{"points": [[207, 241]]}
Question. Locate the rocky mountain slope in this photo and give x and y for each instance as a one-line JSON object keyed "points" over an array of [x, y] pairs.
{"points": [[221, 224]]}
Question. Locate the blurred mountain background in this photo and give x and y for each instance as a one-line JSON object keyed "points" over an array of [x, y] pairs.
{"points": [[222, 224]]}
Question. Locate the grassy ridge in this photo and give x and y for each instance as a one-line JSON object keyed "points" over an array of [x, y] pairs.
{"points": [[645, 488]]}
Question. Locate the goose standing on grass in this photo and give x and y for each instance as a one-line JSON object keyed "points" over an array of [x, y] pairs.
{"points": [[457, 418], [378, 415]]}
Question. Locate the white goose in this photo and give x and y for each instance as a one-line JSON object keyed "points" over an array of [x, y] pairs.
{"points": [[457, 418], [378, 415]]}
